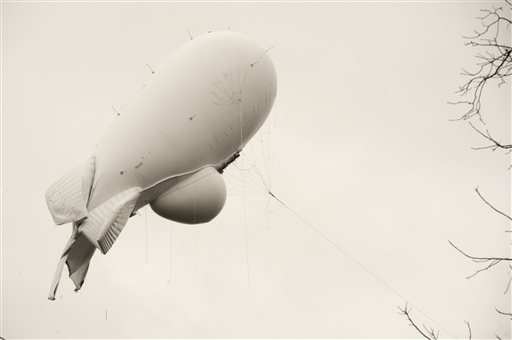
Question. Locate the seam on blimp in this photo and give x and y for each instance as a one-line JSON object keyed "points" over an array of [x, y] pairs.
{"points": [[178, 188], [191, 172]]}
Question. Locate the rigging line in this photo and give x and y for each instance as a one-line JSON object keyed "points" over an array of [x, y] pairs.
{"points": [[254, 166], [250, 156], [360, 265], [117, 112], [232, 86], [253, 179], [243, 169], [270, 139], [254, 155], [189, 35], [265, 161], [236, 188], [240, 114], [269, 154], [238, 191], [263, 180], [265, 142], [252, 193], [170, 253], [273, 145], [194, 236], [258, 180], [246, 237], [106, 303], [266, 213], [146, 220], [239, 83], [253, 182], [150, 68], [256, 204]]}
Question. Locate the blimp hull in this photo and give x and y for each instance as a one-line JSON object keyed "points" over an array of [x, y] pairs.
{"points": [[203, 105], [167, 148]]}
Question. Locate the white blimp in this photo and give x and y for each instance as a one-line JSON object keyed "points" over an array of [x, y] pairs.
{"points": [[169, 148]]}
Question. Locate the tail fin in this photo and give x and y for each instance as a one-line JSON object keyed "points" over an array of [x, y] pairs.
{"points": [[60, 265], [99, 229], [106, 221], [67, 198], [77, 255], [67, 201]]}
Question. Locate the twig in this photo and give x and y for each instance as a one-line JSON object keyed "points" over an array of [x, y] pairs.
{"points": [[469, 329], [490, 205], [406, 311], [495, 144], [493, 260], [508, 283], [503, 313]]}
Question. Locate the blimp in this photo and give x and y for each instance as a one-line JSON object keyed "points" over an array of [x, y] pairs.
{"points": [[168, 148]]}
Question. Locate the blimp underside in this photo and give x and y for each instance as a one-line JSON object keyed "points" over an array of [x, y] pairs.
{"points": [[168, 149]]}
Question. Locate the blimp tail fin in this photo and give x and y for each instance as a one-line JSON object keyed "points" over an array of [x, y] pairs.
{"points": [[76, 255], [105, 223], [99, 230], [67, 198]]}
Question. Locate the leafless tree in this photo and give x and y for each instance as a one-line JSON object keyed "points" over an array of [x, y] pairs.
{"points": [[494, 65]]}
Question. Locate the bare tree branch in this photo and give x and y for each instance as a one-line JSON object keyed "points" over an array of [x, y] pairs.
{"points": [[469, 329], [406, 311], [503, 313], [490, 205], [508, 283], [495, 144], [494, 64], [481, 259], [427, 333], [492, 261]]}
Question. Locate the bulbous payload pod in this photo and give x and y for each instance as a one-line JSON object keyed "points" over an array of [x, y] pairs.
{"points": [[169, 148]]}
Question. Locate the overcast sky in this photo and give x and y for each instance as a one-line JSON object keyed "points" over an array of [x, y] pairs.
{"points": [[359, 145]]}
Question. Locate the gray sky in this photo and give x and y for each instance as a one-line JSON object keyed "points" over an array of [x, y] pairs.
{"points": [[359, 144]]}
